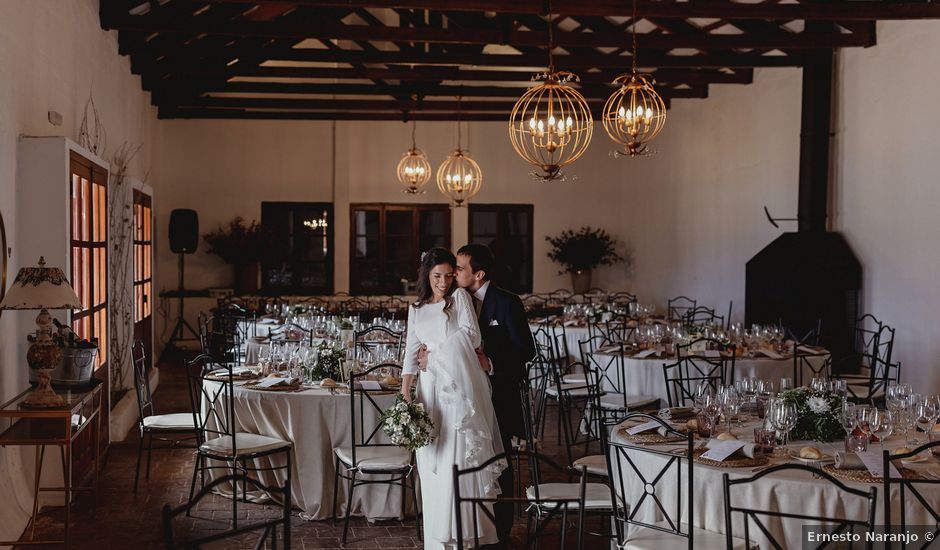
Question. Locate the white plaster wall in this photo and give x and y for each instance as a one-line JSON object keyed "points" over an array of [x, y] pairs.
{"points": [[887, 193], [51, 54]]}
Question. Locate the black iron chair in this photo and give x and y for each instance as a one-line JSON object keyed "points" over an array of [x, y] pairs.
{"points": [[544, 502], [645, 490], [676, 308], [614, 381], [794, 519], [366, 455], [173, 429], [910, 496], [690, 370], [211, 394], [701, 315], [268, 527], [369, 339]]}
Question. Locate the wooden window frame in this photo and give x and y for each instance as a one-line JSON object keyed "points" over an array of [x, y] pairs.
{"points": [[500, 209], [143, 262], [384, 208], [91, 282]]}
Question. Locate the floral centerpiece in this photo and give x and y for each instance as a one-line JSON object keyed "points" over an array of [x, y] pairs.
{"points": [[408, 424], [328, 363], [817, 414]]}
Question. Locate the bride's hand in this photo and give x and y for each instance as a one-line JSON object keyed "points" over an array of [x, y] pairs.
{"points": [[406, 395]]}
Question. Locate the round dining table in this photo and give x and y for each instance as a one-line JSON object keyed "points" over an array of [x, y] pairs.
{"points": [[316, 421], [792, 491]]}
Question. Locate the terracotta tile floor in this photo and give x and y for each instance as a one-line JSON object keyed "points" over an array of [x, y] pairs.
{"points": [[128, 520]]}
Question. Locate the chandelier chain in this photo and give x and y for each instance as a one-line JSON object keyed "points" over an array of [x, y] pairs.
{"points": [[633, 34]]}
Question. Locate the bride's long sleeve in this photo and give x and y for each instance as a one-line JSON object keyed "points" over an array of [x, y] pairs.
{"points": [[467, 317], [412, 344]]}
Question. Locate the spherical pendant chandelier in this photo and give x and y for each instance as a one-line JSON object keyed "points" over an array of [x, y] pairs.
{"points": [[635, 113], [414, 170], [459, 177], [551, 125]]}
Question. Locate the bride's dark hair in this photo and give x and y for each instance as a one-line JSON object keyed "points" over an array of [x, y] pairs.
{"points": [[434, 257]]}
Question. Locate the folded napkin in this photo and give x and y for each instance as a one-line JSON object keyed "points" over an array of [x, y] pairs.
{"points": [[749, 449], [272, 381], [645, 428], [236, 371], [571, 323], [848, 461]]}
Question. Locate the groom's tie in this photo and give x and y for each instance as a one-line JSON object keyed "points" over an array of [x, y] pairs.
{"points": [[477, 305]]}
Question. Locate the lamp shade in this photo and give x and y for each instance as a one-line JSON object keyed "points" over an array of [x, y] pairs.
{"points": [[40, 288]]}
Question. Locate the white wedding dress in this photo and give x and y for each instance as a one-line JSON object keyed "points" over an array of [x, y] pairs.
{"points": [[456, 393]]}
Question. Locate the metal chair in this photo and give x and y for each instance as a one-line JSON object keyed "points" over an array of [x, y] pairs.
{"points": [[677, 307], [909, 495], [614, 381], [152, 425], [370, 338], [644, 489], [365, 455], [690, 370], [795, 519], [268, 527], [544, 502], [211, 394]]}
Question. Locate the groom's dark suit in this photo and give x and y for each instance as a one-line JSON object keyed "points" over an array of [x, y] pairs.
{"points": [[507, 341]]}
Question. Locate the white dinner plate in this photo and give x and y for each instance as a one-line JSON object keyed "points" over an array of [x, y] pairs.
{"points": [[917, 459], [795, 455]]}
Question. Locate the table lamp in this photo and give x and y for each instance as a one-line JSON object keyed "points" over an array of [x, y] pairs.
{"points": [[42, 288]]}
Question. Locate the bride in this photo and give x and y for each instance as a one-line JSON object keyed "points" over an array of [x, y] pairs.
{"points": [[455, 391]]}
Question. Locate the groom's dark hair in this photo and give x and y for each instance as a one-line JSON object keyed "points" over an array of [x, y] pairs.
{"points": [[481, 258]]}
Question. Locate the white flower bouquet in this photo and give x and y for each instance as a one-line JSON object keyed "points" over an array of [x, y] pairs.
{"points": [[817, 414], [408, 425]]}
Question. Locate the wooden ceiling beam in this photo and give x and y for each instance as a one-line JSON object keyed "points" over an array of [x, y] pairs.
{"points": [[487, 35], [848, 10], [178, 92], [471, 106], [167, 113], [436, 74]]}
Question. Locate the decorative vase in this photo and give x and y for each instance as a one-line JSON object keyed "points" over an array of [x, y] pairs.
{"points": [[246, 278], [580, 280]]}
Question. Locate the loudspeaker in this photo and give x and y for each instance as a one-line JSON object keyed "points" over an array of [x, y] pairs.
{"points": [[184, 231]]}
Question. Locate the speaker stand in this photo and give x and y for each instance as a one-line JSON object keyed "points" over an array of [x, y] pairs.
{"points": [[182, 325]]}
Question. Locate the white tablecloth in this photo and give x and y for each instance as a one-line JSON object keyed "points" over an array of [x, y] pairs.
{"points": [[645, 376], [573, 335], [795, 492], [316, 422]]}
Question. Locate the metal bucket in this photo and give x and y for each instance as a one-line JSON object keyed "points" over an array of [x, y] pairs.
{"points": [[76, 367]]}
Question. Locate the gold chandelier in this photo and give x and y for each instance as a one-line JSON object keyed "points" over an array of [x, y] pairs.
{"points": [[414, 170], [551, 125], [635, 113], [459, 177]]}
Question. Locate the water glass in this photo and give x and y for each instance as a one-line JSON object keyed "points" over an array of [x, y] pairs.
{"points": [[786, 383], [856, 443], [766, 440]]}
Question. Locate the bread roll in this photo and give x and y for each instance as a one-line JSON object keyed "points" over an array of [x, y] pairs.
{"points": [[811, 452], [391, 381], [726, 436], [900, 451], [692, 425], [328, 383], [936, 428]]}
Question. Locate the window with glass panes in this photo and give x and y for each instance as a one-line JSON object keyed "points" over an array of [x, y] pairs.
{"points": [[302, 259], [143, 259], [386, 242], [89, 251], [507, 230]]}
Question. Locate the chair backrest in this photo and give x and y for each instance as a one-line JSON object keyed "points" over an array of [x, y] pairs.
{"points": [[141, 381], [677, 307], [690, 370], [643, 488], [622, 298], [365, 411], [610, 371], [372, 337], [560, 341], [880, 373], [267, 527], [468, 521], [589, 346], [702, 315], [910, 494], [211, 387], [786, 520]]}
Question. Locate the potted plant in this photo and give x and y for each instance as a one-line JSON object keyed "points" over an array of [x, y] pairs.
{"points": [[579, 252], [243, 246]]}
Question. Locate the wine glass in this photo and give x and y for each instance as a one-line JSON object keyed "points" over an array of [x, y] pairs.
{"points": [[882, 425], [784, 419], [786, 383], [730, 404], [866, 414], [712, 409], [925, 416], [704, 389], [848, 416]]}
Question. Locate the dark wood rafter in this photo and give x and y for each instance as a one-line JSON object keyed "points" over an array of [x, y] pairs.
{"points": [[393, 60]]}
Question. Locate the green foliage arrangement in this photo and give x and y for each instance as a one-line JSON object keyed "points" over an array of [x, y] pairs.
{"points": [[238, 243], [584, 249], [328, 362], [816, 414]]}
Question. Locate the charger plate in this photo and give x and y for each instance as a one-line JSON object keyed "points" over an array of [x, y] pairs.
{"points": [[730, 462]]}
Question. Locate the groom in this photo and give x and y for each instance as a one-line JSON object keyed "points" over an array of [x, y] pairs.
{"points": [[507, 343]]}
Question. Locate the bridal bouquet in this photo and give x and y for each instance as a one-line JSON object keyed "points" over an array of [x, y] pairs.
{"points": [[817, 414], [408, 424]]}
